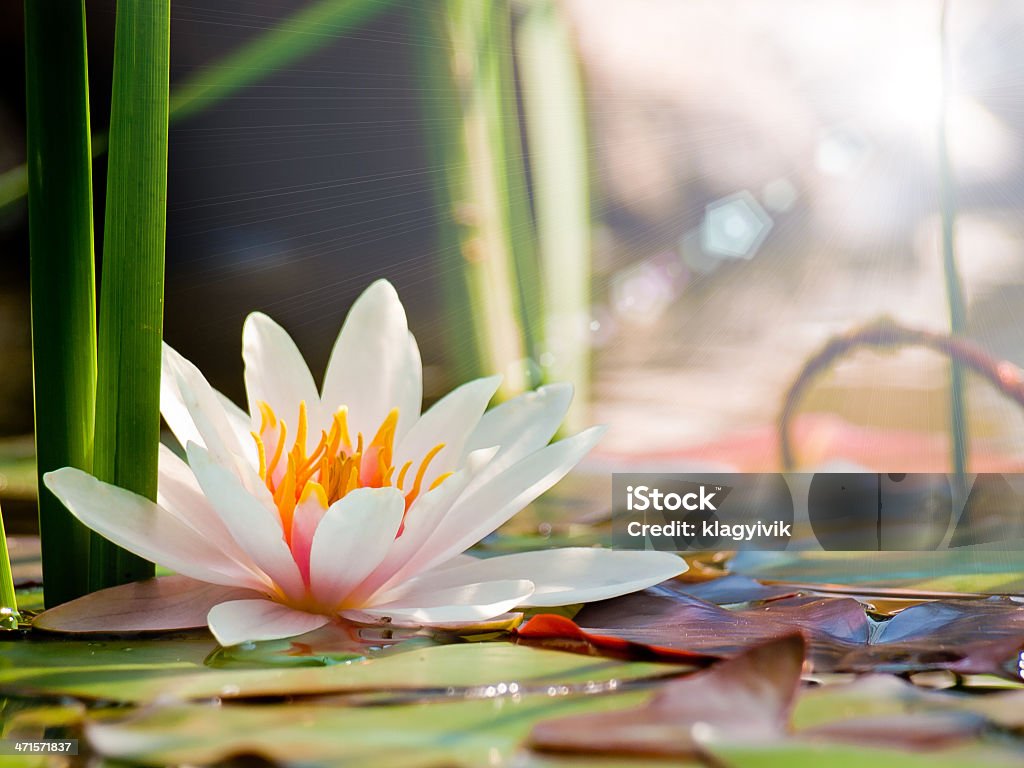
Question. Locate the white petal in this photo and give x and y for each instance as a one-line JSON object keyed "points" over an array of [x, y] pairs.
{"points": [[375, 365], [140, 526], [481, 511], [172, 402], [451, 420], [564, 576], [276, 374], [179, 493], [468, 602], [255, 527], [183, 386], [241, 425], [241, 621], [420, 523], [154, 605], [521, 426], [351, 540]]}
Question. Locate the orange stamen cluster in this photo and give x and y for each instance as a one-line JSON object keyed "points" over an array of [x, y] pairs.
{"points": [[335, 466]]}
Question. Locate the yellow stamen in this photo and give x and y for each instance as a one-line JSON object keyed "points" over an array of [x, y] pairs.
{"points": [[278, 451], [341, 421], [333, 468], [267, 417], [415, 492], [385, 438], [440, 479], [285, 499], [401, 475], [300, 435], [314, 488]]}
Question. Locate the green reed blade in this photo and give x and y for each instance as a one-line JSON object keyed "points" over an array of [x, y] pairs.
{"points": [[132, 285], [554, 110], [62, 274], [8, 600], [463, 84]]}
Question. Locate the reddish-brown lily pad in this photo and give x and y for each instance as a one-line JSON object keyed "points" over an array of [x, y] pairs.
{"points": [[748, 698]]}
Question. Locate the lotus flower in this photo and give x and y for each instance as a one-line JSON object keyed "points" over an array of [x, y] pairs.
{"points": [[348, 502]]}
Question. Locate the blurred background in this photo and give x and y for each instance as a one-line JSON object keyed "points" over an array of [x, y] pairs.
{"points": [[709, 190]]}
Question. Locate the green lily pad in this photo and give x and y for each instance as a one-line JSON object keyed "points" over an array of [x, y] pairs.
{"points": [[485, 731], [966, 569], [810, 754], [173, 666]]}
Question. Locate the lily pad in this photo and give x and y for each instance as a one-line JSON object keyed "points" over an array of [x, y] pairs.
{"points": [[667, 617], [815, 754], [486, 731], [749, 697], [977, 568], [173, 667], [963, 636]]}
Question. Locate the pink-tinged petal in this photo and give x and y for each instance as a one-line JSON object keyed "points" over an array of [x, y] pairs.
{"points": [[182, 385], [563, 576], [255, 527], [479, 512], [140, 526], [172, 402], [179, 493], [307, 516], [468, 602], [276, 374], [375, 365], [450, 421], [520, 426], [351, 540], [243, 621], [420, 522], [155, 605]]}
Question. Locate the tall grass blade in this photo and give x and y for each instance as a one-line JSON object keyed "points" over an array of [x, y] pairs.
{"points": [[132, 285], [8, 600], [62, 274], [464, 81], [554, 109]]}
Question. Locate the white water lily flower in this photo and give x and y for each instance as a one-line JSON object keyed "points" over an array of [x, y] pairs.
{"points": [[348, 502]]}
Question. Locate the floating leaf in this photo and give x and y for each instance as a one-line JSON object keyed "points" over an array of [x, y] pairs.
{"points": [[815, 754], [668, 618], [980, 568], [485, 731], [154, 605], [939, 635], [730, 590], [748, 697], [172, 667]]}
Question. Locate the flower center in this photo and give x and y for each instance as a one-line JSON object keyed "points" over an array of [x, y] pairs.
{"points": [[336, 465]]}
